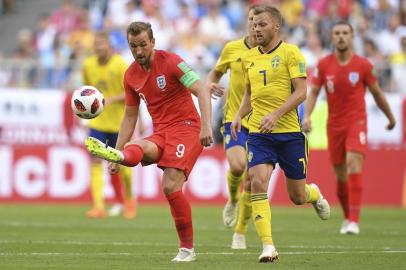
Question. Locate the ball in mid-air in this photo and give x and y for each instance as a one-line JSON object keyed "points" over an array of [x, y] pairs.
{"points": [[87, 102]]}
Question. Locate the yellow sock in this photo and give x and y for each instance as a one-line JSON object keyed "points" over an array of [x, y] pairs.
{"points": [[233, 186], [261, 214], [97, 184], [312, 195], [244, 213], [126, 177]]}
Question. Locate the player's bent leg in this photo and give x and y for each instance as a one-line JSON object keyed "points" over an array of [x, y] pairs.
{"points": [[300, 193], [103, 151]]}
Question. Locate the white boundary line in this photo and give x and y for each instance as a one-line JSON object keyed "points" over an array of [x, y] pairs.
{"points": [[9, 254]]}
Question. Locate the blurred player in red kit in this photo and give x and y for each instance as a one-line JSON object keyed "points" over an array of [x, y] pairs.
{"points": [[165, 83], [345, 77]]}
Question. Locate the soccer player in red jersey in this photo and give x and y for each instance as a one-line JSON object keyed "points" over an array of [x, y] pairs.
{"points": [[345, 77], [165, 83]]}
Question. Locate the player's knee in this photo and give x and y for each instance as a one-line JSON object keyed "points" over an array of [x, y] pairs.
{"points": [[258, 186], [297, 198], [237, 168]]}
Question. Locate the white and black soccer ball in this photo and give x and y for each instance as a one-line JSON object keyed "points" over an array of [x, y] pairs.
{"points": [[87, 102]]}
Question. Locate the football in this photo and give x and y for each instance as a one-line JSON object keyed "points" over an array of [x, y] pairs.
{"points": [[87, 102]]}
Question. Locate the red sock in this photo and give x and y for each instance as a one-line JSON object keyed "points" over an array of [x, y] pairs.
{"points": [[354, 198], [133, 154], [117, 187], [182, 215], [342, 194]]}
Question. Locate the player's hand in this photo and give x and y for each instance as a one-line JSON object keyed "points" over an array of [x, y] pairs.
{"points": [[216, 90], [391, 125], [307, 125], [114, 168], [268, 122], [235, 127], [206, 135]]}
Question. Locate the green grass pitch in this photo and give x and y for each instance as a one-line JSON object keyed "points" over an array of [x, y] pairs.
{"points": [[60, 237]]}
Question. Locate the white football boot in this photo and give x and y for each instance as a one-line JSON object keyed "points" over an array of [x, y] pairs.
{"points": [[321, 206], [238, 241], [115, 210], [352, 228], [269, 254], [230, 213], [344, 225], [185, 255]]}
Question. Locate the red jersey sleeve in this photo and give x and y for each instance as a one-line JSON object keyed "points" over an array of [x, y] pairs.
{"points": [[318, 75], [370, 74], [131, 96]]}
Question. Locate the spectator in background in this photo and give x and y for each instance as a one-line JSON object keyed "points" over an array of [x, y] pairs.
{"points": [[66, 18], [97, 10], [388, 39], [214, 29], [377, 59], [24, 72], [398, 67], [83, 35]]}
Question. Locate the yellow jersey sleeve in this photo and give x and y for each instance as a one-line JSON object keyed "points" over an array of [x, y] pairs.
{"points": [[296, 63], [223, 63]]}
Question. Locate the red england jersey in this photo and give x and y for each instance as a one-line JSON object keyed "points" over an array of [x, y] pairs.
{"points": [[168, 101], [345, 87]]}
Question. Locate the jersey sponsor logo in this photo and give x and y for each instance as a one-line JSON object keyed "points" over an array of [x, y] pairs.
{"points": [[275, 61], [353, 77], [252, 65], [161, 81]]}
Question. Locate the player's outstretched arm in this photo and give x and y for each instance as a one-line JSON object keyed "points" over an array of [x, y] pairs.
{"points": [[212, 84], [382, 104], [203, 96], [309, 107]]}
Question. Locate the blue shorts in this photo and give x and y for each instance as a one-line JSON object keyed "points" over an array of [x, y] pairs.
{"points": [[290, 150], [103, 136], [229, 142]]}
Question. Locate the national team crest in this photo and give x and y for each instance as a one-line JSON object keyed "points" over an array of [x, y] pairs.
{"points": [[353, 77], [275, 61], [161, 81]]}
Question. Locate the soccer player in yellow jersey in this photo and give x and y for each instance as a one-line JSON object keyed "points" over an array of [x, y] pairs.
{"points": [[105, 71], [230, 58], [275, 77]]}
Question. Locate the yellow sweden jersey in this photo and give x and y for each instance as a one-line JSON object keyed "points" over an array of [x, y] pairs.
{"points": [[230, 58], [108, 79], [269, 75]]}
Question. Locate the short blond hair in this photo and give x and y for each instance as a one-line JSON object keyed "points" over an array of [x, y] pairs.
{"points": [[273, 11]]}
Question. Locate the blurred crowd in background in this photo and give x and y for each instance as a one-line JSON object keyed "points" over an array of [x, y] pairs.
{"points": [[49, 54]]}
